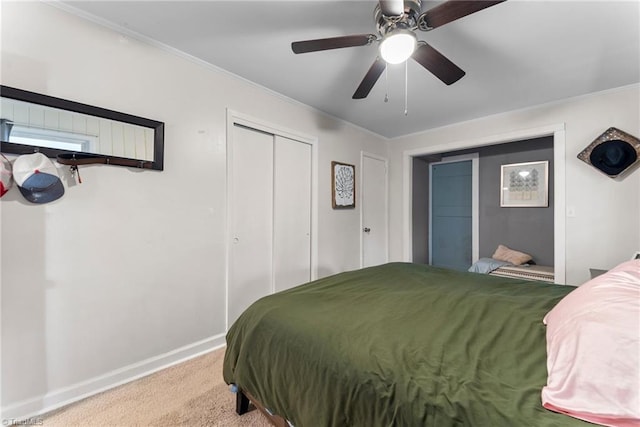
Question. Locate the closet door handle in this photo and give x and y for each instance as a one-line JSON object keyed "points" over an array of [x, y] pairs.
{"points": [[366, 229]]}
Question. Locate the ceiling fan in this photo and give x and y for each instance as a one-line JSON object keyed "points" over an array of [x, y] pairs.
{"points": [[397, 21]]}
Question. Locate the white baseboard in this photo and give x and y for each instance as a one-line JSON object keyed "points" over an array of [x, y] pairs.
{"points": [[30, 408]]}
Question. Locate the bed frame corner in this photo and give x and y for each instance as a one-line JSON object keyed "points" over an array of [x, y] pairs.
{"points": [[242, 402]]}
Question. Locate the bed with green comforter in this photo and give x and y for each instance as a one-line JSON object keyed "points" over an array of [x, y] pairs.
{"points": [[399, 345]]}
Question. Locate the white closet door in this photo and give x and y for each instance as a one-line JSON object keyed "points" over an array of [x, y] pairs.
{"points": [[251, 219], [292, 213]]}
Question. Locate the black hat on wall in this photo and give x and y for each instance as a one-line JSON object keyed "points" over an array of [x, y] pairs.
{"points": [[612, 153]]}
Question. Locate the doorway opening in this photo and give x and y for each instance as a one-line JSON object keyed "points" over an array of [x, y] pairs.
{"points": [[416, 249]]}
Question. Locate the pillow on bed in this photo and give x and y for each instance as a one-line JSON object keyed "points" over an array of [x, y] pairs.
{"points": [[503, 253], [593, 350]]}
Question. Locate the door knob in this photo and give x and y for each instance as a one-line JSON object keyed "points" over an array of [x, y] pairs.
{"points": [[366, 229]]}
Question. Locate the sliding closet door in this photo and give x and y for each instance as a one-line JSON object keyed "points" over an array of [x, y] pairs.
{"points": [[251, 218], [291, 213], [269, 216]]}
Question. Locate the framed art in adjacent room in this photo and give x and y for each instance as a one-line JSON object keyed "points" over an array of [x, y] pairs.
{"points": [[343, 185], [525, 185]]}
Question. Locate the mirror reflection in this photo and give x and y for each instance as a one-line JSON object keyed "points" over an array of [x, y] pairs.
{"points": [[31, 122]]}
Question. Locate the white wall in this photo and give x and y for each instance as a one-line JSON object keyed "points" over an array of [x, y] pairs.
{"points": [[126, 272], [605, 228]]}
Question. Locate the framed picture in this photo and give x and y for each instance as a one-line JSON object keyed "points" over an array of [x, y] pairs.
{"points": [[343, 185], [524, 185]]}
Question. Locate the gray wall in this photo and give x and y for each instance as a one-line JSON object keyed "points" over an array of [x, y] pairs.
{"points": [[420, 210], [528, 230]]}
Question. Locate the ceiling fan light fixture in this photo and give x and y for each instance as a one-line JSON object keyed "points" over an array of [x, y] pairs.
{"points": [[398, 46]]}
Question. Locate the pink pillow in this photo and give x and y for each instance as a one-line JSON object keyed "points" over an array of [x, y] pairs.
{"points": [[503, 253], [593, 350]]}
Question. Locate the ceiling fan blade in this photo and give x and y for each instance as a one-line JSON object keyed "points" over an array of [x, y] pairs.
{"points": [[392, 7], [370, 79], [437, 64], [332, 43], [451, 10]]}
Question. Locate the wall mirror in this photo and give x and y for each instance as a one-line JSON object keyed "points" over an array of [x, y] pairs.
{"points": [[31, 122]]}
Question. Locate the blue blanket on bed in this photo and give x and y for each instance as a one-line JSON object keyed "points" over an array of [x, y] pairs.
{"points": [[487, 265]]}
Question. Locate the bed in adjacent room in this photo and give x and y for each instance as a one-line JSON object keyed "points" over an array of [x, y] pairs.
{"points": [[494, 267], [398, 345], [506, 262]]}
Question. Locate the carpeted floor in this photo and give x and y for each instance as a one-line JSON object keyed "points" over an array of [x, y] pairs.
{"points": [[192, 393]]}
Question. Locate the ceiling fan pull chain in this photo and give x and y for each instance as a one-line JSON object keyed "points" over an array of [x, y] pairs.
{"points": [[406, 87], [386, 84]]}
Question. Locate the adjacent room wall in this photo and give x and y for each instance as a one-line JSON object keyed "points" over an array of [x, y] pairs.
{"points": [[603, 215], [528, 230], [420, 210], [126, 272]]}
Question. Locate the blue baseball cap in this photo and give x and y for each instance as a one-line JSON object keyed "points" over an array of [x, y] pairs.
{"points": [[37, 178]]}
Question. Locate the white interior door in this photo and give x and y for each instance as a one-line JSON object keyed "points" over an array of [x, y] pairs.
{"points": [[251, 219], [292, 213], [374, 210]]}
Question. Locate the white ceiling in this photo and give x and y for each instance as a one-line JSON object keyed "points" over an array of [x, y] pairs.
{"points": [[516, 54]]}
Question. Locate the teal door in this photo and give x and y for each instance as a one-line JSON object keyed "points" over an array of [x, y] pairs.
{"points": [[451, 215]]}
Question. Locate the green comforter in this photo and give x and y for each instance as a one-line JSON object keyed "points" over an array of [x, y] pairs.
{"points": [[399, 345]]}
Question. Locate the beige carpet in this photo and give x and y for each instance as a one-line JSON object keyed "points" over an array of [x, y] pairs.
{"points": [[192, 393]]}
